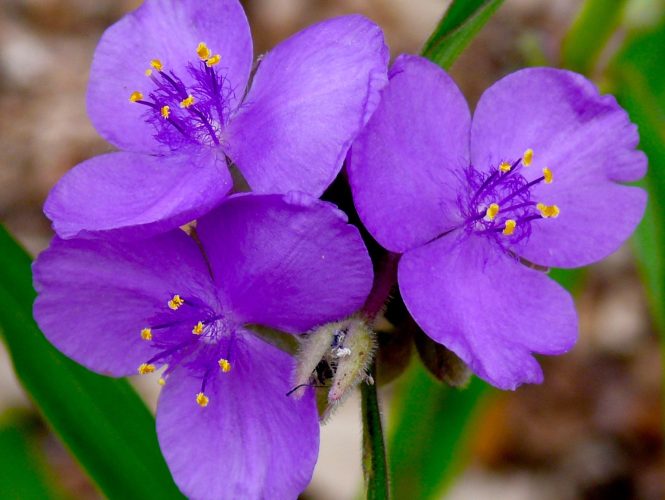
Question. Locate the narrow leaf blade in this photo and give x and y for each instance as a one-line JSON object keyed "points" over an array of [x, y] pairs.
{"points": [[102, 421], [459, 25]]}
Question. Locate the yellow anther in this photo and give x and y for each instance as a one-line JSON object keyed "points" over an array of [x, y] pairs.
{"points": [[161, 381], [148, 72], [203, 51], [135, 96], [146, 368], [505, 167], [548, 211], [176, 302], [225, 365], [492, 210], [146, 334], [527, 157], [510, 227], [211, 61], [198, 328], [187, 102], [202, 400], [165, 112], [547, 173], [157, 64]]}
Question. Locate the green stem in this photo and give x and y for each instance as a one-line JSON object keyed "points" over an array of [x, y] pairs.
{"points": [[375, 465]]}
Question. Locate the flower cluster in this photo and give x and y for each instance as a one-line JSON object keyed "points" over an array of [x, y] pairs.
{"points": [[476, 209]]}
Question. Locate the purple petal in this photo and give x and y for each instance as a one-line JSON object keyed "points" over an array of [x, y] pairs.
{"points": [[401, 168], [587, 141], [168, 30], [288, 262], [251, 441], [131, 195], [95, 296], [310, 97], [490, 310]]}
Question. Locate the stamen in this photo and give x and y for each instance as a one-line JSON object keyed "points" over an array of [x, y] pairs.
{"points": [[146, 334], [148, 72], [225, 365], [198, 328], [135, 96], [161, 381], [505, 167], [157, 64], [176, 302], [510, 227], [187, 102], [213, 60], [548, 211], [492, 211], [527, 157], [547, 174], [203, 51], [165, 112], [146, 368], [202, 400]]}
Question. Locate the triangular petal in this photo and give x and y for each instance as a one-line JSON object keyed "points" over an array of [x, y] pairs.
{"points": [[131, 195], [95, 296], [489, 309], [289, 262], [310, 97], [251, 440], [588, 143], [168, 30], [402, 166]]}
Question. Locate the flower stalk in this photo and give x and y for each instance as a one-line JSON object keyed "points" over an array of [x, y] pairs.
{"points": [[375, 464]]}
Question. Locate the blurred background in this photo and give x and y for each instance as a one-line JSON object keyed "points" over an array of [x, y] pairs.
{"points": [[593, 430]]}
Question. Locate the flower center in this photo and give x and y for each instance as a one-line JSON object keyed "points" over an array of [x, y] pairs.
{"points": [[499, 203], [189, 333], [182, 115]]}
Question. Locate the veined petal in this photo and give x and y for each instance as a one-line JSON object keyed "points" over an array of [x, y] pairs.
{"points": [[289, 262], [490, 310], [402, 166], [169, 31], [588, 143], [131, 195], [251, 440], [95, 296], [310, 97]]}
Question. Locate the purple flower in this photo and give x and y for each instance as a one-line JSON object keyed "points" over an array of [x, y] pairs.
{"points": [[286, 262], [534, 179], [169, 87]]}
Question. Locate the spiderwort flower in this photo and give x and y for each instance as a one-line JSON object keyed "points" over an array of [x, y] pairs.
{"points": [[225, 425], [534, 179], [167, 87]]}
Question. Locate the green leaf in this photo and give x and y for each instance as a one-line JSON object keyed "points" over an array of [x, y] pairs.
{"points": [[589, 33], [428, 440], [460, 23], [23, 475], [640, 88], [102, 421]]}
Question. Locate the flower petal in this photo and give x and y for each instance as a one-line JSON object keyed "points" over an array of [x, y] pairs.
{"points": [[168, 30], [95, 296], [588, 142], [310, 97], [288, 262], [251, 441], [131, 195], [402, 166], [487, 308]]}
